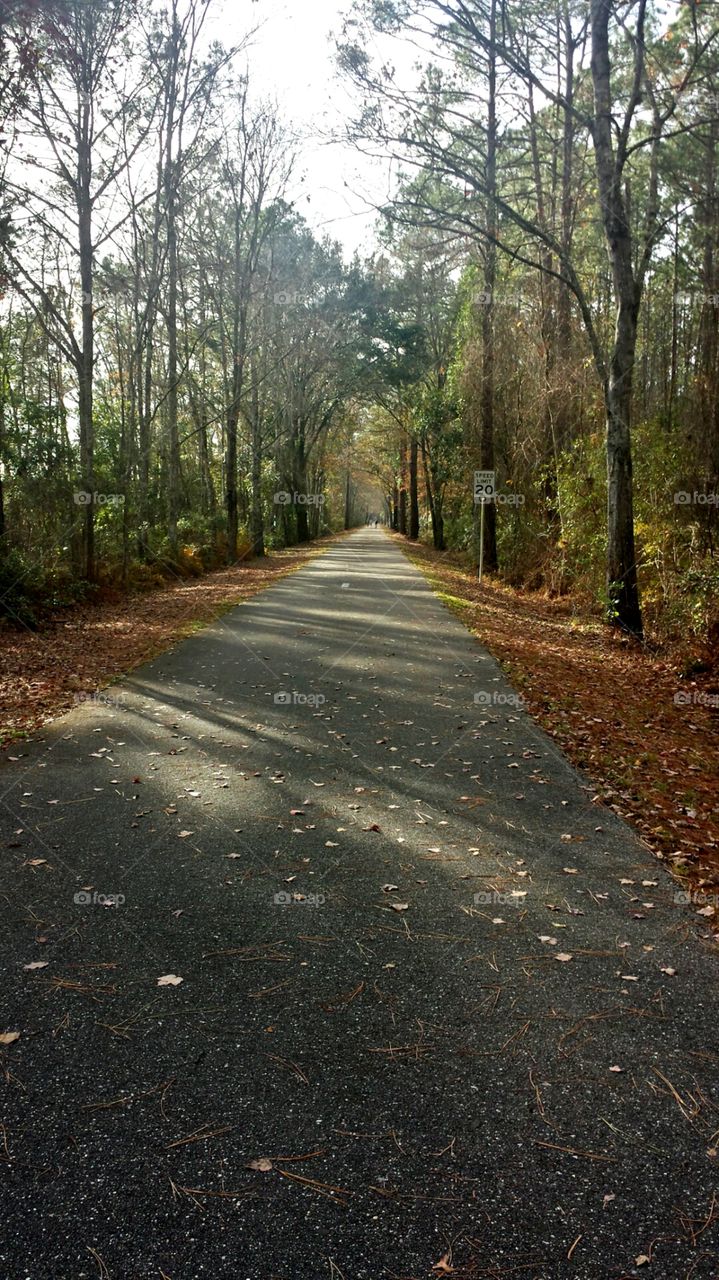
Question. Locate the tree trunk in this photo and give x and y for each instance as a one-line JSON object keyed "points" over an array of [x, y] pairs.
{"points": [[233, 411], [348, 499], [300, 486], [622, 584], [172, 405], [708, 444], [413, 495], [434, 503], [623, 592], [173, 442], [403, 510], [486, 399], [86, 360], [257, 531], [231, 484], [2, 460]]}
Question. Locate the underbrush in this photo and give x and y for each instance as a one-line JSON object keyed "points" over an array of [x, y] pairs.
{"points": [[676, 531]]}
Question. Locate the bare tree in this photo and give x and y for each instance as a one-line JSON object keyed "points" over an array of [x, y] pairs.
{"points": [[83, 126], [438, 132]]}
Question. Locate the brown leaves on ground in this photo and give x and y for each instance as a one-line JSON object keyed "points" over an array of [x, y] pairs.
{"points": [[80, 649], [610, 705]]}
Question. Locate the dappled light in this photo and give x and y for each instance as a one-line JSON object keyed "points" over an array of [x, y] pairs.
{"points": [[359, 608]]}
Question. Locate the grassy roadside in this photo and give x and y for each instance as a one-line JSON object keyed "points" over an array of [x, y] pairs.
{"points": [[612, 707], [84, 648]]}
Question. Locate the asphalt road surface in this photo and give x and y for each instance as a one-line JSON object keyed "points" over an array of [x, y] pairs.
{"points": [[440, 1013]]}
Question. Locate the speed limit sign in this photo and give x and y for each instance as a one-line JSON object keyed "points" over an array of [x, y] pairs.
{"points": [[484, 487]]}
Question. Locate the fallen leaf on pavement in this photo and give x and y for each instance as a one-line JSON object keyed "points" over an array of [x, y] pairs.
{"points": [[169, 980], [442, 1267]]}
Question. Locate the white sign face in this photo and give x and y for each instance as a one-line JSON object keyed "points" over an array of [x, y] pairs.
{"points": [[484, 486]]}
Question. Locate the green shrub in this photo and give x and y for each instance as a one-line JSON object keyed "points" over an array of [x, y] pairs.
{"points": [[20, 584]]}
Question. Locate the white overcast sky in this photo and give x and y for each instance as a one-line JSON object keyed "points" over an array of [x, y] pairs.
{"points": [[292, 61]]}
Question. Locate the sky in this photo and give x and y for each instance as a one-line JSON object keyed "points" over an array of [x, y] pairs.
{"points": [[292, 60]]}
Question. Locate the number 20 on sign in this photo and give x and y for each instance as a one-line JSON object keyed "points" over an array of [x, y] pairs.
{"points": [[483, 492]]}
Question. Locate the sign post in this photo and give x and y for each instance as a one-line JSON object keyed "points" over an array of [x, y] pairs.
{"points": [[484, 489]]}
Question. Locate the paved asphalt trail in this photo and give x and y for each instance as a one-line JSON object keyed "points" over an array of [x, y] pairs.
{"points": [[441, 1066]]}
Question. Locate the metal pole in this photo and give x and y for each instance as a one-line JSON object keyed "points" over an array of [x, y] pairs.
{"points": [[481, 540]]}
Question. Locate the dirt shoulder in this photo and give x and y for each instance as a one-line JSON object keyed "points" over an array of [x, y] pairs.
{"points": [[82, 649], [647, 737]]}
